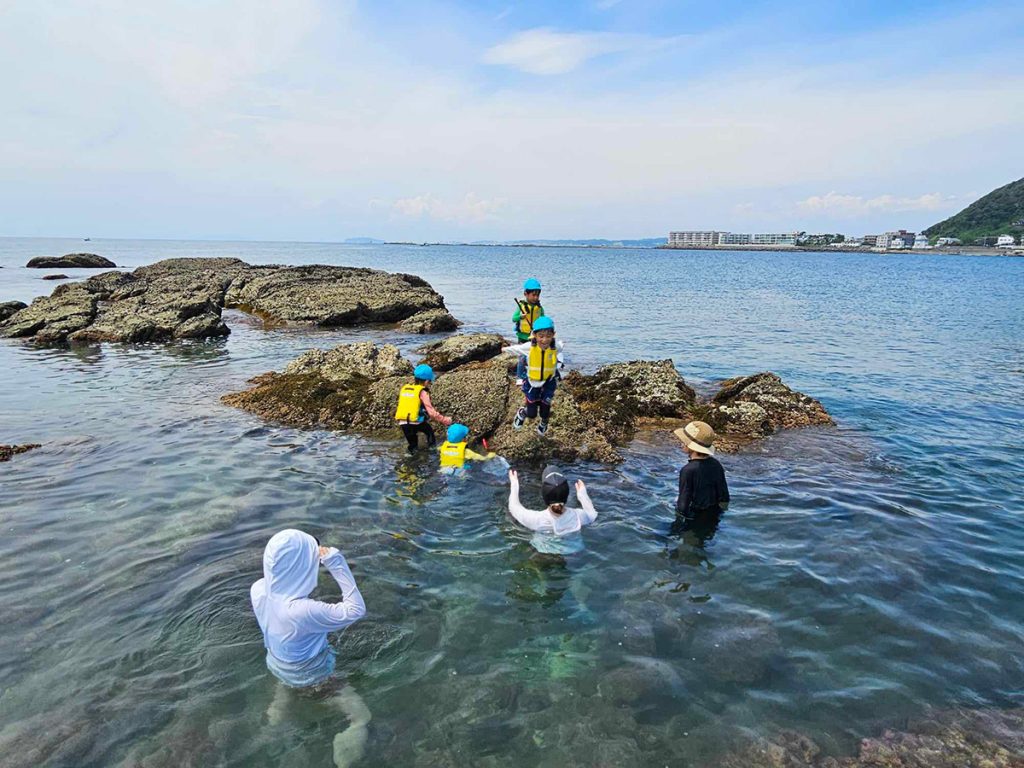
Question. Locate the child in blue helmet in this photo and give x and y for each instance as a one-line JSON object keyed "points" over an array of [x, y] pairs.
{"points": [[414, 407], [544, 359], [455, 451], [528, 310]]}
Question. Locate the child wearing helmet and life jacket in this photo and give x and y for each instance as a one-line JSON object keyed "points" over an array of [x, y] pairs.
{"points": [[528, 309], [455, 451], [544, 359], [414, 407]]}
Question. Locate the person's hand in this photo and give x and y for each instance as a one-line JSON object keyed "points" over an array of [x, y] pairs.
{"points": [[323, 552], [580, 487]]}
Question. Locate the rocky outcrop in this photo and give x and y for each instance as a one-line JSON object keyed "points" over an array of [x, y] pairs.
{"points": [[430, 321], [454, 351], [54, 277], [946, 739], [77, 260], [7, 451], [752, 407], [355, 387], [184, 298], [8, 308]]}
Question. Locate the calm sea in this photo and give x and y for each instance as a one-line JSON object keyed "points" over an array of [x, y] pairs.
{"points": [[862, 574]]}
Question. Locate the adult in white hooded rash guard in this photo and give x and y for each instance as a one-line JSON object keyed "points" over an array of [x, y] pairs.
{"points": [[295, 627], [556, 519]]}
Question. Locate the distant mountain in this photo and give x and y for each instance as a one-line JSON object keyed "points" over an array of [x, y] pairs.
{"points": [[1000, 212]]}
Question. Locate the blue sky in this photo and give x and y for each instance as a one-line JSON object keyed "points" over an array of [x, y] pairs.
{"points": [[312, 120]]}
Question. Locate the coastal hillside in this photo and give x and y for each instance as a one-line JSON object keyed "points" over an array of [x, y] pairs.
{"points": [[1000, 212]]}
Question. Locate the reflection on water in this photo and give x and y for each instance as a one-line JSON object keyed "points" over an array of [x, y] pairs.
{"points": [[860, 574]]}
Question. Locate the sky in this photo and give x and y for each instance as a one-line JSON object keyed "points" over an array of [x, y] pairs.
{"points": [[320, 120]]}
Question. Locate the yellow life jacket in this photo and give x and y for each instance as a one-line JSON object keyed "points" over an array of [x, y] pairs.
{"points": [[540, 364], [453, 454], [528, 314], [409, 403]]}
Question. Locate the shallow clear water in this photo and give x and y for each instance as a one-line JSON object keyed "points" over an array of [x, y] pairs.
{"points": [[863, 572]]}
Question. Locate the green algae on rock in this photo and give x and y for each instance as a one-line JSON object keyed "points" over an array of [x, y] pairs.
{"points": [[184, 299], [355, 387]]}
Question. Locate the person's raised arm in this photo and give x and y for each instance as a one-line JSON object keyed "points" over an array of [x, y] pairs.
{"points": [[587, 512], [526, 517], [432, 412], [333, 616], [518, 349]]}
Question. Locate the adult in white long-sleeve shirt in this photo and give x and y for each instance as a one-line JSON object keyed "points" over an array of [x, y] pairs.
{"points": [[295, 627], [556, 519]]}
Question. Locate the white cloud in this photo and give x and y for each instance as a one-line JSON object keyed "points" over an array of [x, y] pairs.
{"points": [[543, 51], [856, 206], [470, 210]]}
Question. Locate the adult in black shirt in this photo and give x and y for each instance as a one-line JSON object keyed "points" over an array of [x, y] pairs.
{"points": [[703, 490]]}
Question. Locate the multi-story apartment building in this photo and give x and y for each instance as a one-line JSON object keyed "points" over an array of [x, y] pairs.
{"points": [[692, 239], [788, 238], [733, 238]]}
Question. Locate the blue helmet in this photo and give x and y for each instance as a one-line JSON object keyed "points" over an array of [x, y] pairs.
{"points": [[457, 433], [543, 324], [423, 372], [533, 284]]}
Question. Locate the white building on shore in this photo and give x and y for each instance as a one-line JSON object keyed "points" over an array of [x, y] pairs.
{"points": [[703, 239], [786, 238], [1006, 241], [921, 243]]}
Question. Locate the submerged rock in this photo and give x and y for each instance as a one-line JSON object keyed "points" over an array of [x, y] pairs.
{"points": [[7, 451], [8, 308], [184, 298], [355, 387], [986, 738], [55, 277], [77, 260], [741, 652]]}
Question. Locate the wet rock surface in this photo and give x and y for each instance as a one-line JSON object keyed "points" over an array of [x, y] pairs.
{"points": [[8, 308], [77, 260], [430, 321], [355, 387], [7, 451], [184, 298], [55, 277], [751, 407], [986, 738]]}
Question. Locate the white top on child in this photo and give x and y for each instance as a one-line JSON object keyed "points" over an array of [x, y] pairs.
{"points": [[523, 350]]}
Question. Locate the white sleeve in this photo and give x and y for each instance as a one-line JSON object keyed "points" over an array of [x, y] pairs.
{"points": [[562, 359], [587, 512], [529, 518], [518, 349], [332, 616]]}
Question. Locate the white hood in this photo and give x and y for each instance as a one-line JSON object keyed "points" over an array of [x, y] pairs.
{"points": [[291, 563]]}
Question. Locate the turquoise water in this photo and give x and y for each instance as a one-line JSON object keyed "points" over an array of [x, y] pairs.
{"points": [[862, 574]]}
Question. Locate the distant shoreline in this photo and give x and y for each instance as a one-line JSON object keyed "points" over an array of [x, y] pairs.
{"points": [[959, 250]]}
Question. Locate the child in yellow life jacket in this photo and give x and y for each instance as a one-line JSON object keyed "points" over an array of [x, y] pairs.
{"points": [[544, 363], [454, 450], [528, 310], [414, 406]]}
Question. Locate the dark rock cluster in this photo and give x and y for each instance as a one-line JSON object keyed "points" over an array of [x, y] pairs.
{"points": [[76, 260], [184, 298], [7, 451], [355, 387]]}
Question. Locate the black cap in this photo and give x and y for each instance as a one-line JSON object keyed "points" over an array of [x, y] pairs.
{"points": [[554, 488]]}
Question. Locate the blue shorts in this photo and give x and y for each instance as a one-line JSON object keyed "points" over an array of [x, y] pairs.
{"points": [[543, 394]]}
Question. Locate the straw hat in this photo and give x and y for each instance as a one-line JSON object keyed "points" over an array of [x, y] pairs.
{"points": [[697, 436]]}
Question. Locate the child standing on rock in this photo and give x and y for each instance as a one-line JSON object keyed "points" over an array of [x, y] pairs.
{"points": [[414, 406], [544, 361], [528, 310]]}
